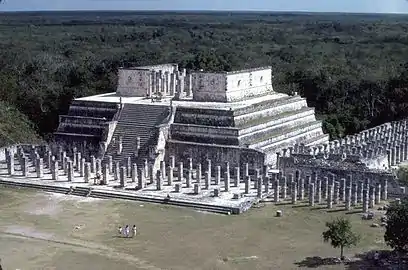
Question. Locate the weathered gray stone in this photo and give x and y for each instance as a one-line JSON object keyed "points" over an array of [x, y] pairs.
{"points": [[247, 184], [70, 171], [237, 177], [276, 191], [93, 164], [134, 172], [180, 172], [159, 180], [122, 177], [227, 181], [218, 175], [294, 189], [207, 180], [39, 168], [311, 194], [170, 175], [87, 172], [197, 189], [105, 174]]}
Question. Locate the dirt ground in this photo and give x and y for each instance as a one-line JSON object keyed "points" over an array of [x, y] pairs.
{"points": [[50, 231]]}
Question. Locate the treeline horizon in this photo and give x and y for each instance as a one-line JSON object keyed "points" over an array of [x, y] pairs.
{"points": [[351, 68]]}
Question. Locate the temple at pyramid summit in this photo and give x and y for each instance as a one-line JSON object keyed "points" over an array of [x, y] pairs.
{"points": [[161, 113]]}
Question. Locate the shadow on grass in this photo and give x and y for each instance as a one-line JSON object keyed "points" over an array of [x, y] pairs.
{"points": [[387, 260], [316, 261]]}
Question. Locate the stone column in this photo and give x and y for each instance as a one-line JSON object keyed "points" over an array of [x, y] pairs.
{"points": [[372, 198], [227, 181], [207, 180], [116, 171], [365, 201], [385, 190], [141, 178], [336, 192], [208, 168], [361, 192], [197, 189], [378, 193], [93, 164], [159, 180], [247, 183], [172, 161], [10, 164], [319, 191], [70, 169], [188, 178], [330, 197], [105, 174], [78, 161], [47, 157], [87, 172], [122, 177], [284, 188], [237, 177], [54, 169], [326, 187], [294, 192], [246, 169], [302, 189], [82, 167], [348, 198], [190, 164], [151, 173], [24, 166], [39, 168], [134, 173], [355, 195], [98, 166], [218, 175], [266, 183], [110, 164], [276, 190], [169, 175], [129, 167], [343, 189], [311, 194], [199, 173], [259, 188], [180, 172]]}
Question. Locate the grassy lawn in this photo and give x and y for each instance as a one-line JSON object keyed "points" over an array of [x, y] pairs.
{"points": [[45, 231]]}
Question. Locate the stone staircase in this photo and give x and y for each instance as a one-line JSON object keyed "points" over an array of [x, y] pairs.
{"points": [[86, 121], [137, 120]]}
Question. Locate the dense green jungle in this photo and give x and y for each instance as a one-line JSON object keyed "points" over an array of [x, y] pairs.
{"points": [[351, 67]]}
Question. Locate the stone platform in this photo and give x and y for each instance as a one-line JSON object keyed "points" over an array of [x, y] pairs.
{"points": [[196, 196]]}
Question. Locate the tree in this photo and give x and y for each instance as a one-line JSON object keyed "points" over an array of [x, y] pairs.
{"points": [[340, 234], [396, 233]]}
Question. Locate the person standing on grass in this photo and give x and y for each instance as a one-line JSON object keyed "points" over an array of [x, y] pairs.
{"points": [[134, 230], [127, 231], [120, 230]]}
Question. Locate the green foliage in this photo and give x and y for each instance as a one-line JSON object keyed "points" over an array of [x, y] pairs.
{"points": [[15, 127], [351, 68], [340, 234], [396, 234]]}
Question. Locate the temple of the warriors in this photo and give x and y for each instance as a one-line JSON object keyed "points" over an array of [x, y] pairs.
{"points": [[159, 111], [216, 142]]}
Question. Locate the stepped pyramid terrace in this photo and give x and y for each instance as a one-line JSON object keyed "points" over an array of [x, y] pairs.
{"points": [[159, 112], [217, 142]]}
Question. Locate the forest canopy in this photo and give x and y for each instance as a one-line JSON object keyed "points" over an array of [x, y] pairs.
{"points": [[351, 68]]}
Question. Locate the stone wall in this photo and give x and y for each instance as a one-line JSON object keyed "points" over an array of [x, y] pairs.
{"points": [[133, 82], [171, 67], [231, 86], [218, 154], [248, 83], [209, 87]]}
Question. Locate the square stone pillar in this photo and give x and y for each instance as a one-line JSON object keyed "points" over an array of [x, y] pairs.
{"points": [[170, 175], [207, 180], [134, 173], [122, 177], [93, 164], [87, 172], [180, 171], [218, 175], [39, 168], [54, 169], [70, 171], [82, 167], [227, 181], [141, 179], [159, 180], [237, 177], [199, 173], [105, 174], [247, 184], [24, 166]]}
